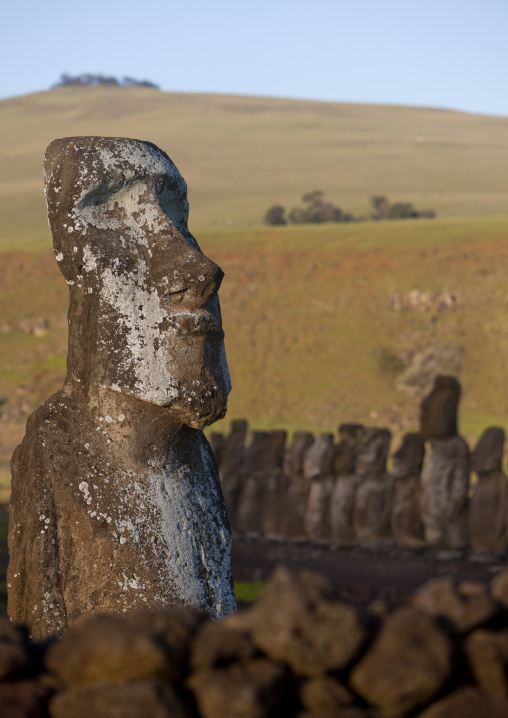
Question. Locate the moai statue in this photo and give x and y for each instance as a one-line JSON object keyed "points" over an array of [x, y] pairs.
{"points": [[342, 500], [317, 469], [116, 500], [406, 519], [272, 485], [249, 513], [232, 454], [373, 502], [488, 507], [295, 489], [445, 476]]}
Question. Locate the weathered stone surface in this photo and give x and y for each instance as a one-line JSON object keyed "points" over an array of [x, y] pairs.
{"points": [[232, 456], [23, 699], [406, 518], [346, 712], [243, 690], [13, 649], [317, 469], [324, 693], [112, 649], [273, 485], [295, 486], [438, 414], [116, 500], [249, 513], [499, 588], [134, 700], [467, 702], [217, 644], [445, 486], [487, 653], [298, 621], [342, 500], [468, 605], [406, 666], [373, 501], [488, 506]]}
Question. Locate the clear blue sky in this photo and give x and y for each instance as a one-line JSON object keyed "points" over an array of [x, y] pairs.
{"points": [[439, 53]]}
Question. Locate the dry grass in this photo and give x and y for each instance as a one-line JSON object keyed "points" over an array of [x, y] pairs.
{"points": [[312, 337], [241, 154]]}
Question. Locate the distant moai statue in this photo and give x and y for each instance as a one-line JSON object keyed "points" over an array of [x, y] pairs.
{"points": [[317, 469], [373, 502], [249, 512], [488, 507], [272, 514], [445, 476], [116, 500], [406, 518], [342, 501], [231, 465], [295, 490]]}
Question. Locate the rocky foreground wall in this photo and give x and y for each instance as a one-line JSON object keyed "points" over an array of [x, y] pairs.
{"points": [[298, 651]]}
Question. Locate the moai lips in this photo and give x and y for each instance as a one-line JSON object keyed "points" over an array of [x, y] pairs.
{"points": [[488, 507], [116, 499], [445, 476]]}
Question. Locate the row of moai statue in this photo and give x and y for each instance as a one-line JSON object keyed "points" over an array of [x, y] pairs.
{"points": [[341, 491]]}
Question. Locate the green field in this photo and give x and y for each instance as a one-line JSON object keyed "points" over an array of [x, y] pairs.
{"points": [[321, 323], [239, 155]]}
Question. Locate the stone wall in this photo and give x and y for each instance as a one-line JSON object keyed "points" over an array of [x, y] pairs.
{"points": [[299, 651], [337, 488]]}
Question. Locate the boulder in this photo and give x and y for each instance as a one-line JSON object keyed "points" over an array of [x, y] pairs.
{"points": [[406, 666], [467, 702], [467, 605], [243, 690], [487, 653], [298, 620]]}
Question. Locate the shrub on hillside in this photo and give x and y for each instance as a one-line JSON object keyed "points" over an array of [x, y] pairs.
{"points": [[399, 210], [314, 210], [275, 215], [86, 79]]}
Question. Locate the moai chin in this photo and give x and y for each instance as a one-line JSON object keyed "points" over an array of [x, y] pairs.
{"points": [[488, 507], [445, 476], [406, 518], [116, 501]]}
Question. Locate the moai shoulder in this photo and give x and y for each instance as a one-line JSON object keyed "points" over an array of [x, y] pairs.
{"points": [[116, 500]]}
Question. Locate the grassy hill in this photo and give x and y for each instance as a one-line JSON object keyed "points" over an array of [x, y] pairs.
{"points": [[239, 155], [325, 323]]}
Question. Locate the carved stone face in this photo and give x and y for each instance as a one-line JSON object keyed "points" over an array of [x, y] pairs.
{"points": [[144, 302]]}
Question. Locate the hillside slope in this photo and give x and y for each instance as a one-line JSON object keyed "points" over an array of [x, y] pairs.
{"points": [[323, 324], [241, 154]]}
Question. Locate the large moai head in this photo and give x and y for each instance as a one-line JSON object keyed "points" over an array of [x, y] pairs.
{"points": [[438, 416], [408, 459], [144, 315], [488, 452]]}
